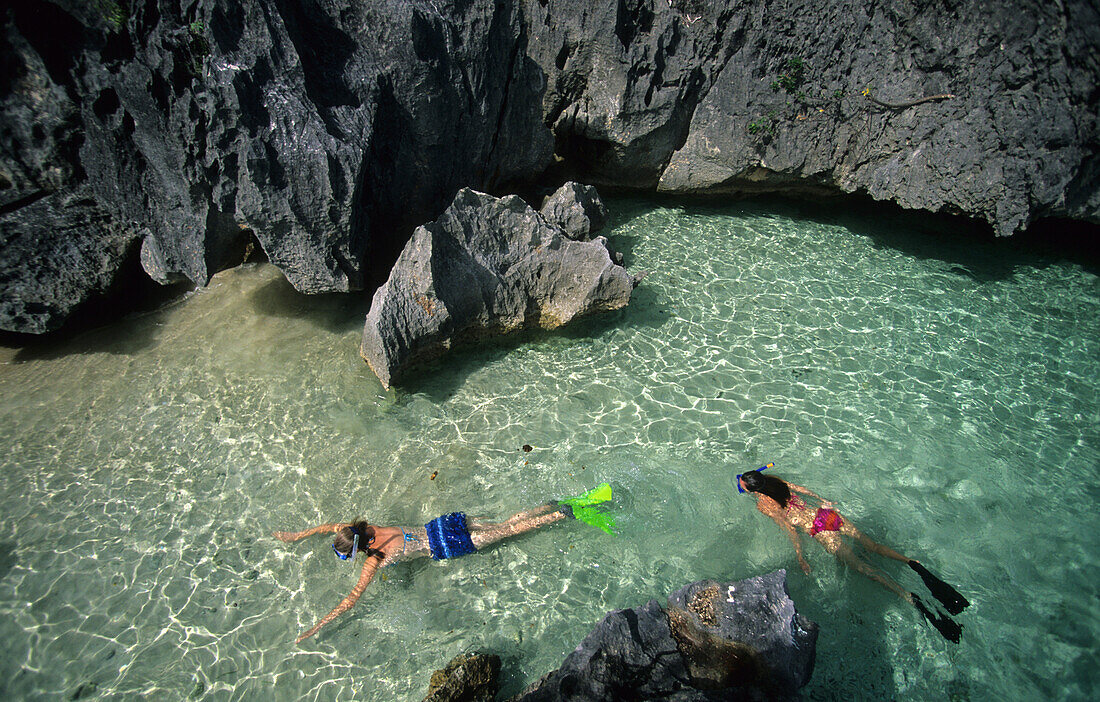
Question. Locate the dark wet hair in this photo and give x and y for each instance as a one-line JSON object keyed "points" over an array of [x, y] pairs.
{"points": [[345, 536], [769, 485]]}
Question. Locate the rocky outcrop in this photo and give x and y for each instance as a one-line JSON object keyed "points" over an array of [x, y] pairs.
{"points": [[716, 641], [76, 249], [324, 131], [487, 266]]}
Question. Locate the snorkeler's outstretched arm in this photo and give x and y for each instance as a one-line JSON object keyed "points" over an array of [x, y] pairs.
{"points": [[770, 508], [290, 536], [370, 567], [811, 493]]}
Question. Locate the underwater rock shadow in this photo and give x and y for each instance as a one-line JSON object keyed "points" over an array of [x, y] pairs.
{"points": [[7, 558], [441, 378], [969, 246], [338, 313], [122, 320], [858, 666], [126, 336]]}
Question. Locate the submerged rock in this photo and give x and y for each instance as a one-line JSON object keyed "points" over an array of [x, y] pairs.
{"points": [[487, 266], [747, 628], [717, 641], [467, 678]]}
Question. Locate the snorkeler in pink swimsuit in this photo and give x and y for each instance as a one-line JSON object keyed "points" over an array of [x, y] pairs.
{"points": [[775, 498]]}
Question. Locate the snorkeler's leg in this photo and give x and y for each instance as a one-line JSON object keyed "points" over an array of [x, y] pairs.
{"points": [[487, 534], [531, 513], [481, 524], [850, 529], [845, 554]]}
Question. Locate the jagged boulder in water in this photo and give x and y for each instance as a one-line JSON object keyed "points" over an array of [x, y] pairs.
{"points": [[716, 641], [487, 266]]}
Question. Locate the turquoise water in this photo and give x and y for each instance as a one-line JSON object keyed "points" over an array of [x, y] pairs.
{"points": [[944, 392]]}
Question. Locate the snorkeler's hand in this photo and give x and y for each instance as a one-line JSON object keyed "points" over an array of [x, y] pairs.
{"points": [[285, 536], [805, 566]]}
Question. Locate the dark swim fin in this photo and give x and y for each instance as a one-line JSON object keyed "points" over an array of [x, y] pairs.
{"points": [[947, 626], [952, 601]]}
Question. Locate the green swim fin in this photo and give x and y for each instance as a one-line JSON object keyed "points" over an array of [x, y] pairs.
{"points": [[598, 494], [583, 507], [596, 518]]}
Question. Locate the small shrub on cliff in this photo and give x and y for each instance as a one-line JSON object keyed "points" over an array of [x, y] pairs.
{"points": [[763, 126], [114, 13], [790, 80]]}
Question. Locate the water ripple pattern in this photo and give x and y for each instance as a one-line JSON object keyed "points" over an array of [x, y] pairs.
{"points": [[944, 392]]}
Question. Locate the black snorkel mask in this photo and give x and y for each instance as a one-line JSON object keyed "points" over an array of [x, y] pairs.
{"points": [[740, 489], [354, 550]]}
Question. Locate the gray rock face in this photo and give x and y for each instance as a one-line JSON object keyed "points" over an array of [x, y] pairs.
{"points": [[486, 266], [629, 655], [758, 613], [743, 97], [78, 248], [327, 130], [577, 209], [731, 641], [309, 125]]}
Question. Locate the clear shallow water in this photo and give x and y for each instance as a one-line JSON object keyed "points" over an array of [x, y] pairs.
{"points": [[945, 393]]}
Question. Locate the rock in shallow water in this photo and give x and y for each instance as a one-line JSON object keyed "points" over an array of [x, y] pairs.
{"points": [[717, 641], [487, 266], [467, 678]]}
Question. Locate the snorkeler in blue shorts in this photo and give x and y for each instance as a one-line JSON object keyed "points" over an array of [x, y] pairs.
{"points": [[449, 536]]}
